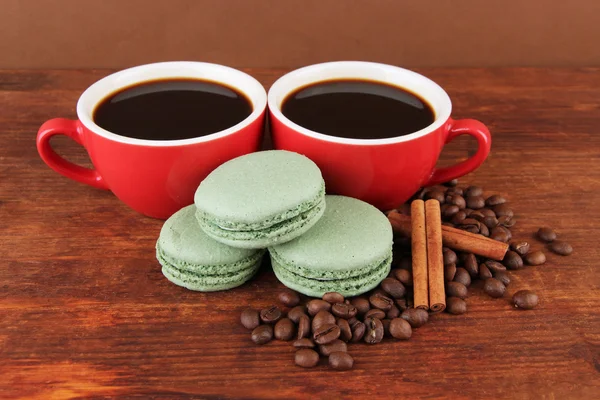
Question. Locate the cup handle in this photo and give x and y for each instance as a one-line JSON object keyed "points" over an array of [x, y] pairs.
{"points": [[74, 130], [484, 142]]}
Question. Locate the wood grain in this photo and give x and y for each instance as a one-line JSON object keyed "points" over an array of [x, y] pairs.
{"points": [[85, 311]]}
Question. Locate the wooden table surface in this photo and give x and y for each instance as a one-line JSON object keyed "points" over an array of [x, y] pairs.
{"points": [[85, 311]]}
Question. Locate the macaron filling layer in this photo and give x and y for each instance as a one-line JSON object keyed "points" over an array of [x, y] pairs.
{"points": [[322, 274], [207, 270], [297, 212], [207, 283], [268, 231], [350, 286]]}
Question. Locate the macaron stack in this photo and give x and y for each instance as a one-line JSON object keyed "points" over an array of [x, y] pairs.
{"points": [[348, 251], [276, 200], [192, 259]]}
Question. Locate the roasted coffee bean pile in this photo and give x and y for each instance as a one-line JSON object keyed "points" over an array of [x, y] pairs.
{"points": [[491, 216], [322, 328]]}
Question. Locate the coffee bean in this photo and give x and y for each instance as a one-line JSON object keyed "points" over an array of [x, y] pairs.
{"points": [[521, 248], [322, 318], [345, 330], [400, 329], [375, 313], [316, 305], [449, 272], [333, 297], [456, 306], [393, 312], [250, 318], [561, 248], [475, 202], [401, 304], [393, 287], [471, 265], [503, 277], [270, 315], [336, 345], [462, 276], [341, 361], [456, 200], [306, 358], [379, 292], [494, 200], [494, 288], [262, 334], [284, 329], [289, 298], [502, 210], [304, 324], [343, 310], [459, 217], [455, 190], [362, 305], [448, 210], [456, 289], [525, 299], [449, 256], [358, 331], [535, 258], [381, 302], [436, 195], [499, 234], [483, 230], [512, 260], [295, 313], [326, 333], [507, 222], [473, 191], [470, 225], [487, 212], [404, 276], [478, 215], [546, 234], [490, 222], [416, 317], [468, 211], [494, 266], [484, 272], [374, 331], [505, 229], [304, 343], [421, 193], [451, 183]]}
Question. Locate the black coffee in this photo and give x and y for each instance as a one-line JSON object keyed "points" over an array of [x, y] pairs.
{"points": [[172, 109], [358, 109]]}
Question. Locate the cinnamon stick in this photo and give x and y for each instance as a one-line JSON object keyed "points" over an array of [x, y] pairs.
{"points": [[419, 255], [435, 259], [455, 239]]}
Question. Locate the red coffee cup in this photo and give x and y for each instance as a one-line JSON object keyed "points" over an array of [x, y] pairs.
{"points": [[383, 172], [154, 177]]}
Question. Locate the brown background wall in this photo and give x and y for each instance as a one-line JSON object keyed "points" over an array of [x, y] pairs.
{"points": [[285, 33]]}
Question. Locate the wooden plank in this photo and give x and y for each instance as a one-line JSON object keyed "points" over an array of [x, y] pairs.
{"points": [[85, 311]]}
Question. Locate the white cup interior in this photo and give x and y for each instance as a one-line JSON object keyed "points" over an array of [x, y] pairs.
{"points": [[227, 76], [424, 87]]}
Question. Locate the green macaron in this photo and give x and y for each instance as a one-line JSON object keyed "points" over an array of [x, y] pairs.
{"points": [[192, 259], [349, 251], [261, 199]]}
